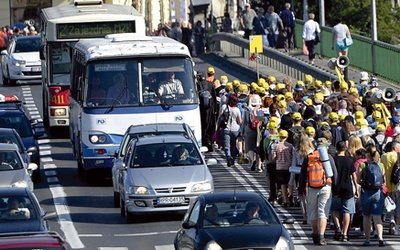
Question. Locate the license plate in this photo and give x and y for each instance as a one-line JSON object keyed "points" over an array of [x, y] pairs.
{"points": [[171, 200], [36, 69]]}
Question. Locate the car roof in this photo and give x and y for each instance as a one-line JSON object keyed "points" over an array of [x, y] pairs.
{"points": [[8, 146], [16, 38], [164, 138], [227, 196], [14, 191], [157, 128]]}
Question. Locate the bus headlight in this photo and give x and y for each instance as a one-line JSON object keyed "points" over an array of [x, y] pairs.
{"points": [[98, 138], [58, 112]]}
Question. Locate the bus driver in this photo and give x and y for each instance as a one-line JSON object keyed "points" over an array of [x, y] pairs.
{"points": [[171, 88]]}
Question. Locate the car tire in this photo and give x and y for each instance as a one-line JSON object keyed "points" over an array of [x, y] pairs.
{"points": [[81, 170], [130, 218], [122, 206], [116, 199], [5, 80], [10, 81]]}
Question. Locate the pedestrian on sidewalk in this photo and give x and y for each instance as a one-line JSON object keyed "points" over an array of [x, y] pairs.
{"points": [[274, 26], [310, 30], [289, 24], [246, 20], [339, 32]]}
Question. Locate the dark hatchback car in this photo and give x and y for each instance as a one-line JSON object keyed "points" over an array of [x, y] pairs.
{"points": [[32, 240], [12, 115], [232, 220], [20, 211]]}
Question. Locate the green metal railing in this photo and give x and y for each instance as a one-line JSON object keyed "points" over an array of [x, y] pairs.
{"points": [[387, 57]]}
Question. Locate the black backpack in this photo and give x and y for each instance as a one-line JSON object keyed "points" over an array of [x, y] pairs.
{"points": [[379, 146], [224, 118], [395, 175], [372, 177]]}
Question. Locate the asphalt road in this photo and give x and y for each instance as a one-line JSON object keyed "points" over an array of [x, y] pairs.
{"points": [[86, 215]]}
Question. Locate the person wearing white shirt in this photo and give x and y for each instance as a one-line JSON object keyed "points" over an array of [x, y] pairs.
{"points": [[310, 29]]}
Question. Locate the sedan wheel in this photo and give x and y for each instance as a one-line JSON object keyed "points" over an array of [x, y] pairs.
{"points": [[122, 206], [116, 199], [130, 218]]}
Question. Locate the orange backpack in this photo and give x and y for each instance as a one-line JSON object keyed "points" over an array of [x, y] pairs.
{"points": [[316, 172]]}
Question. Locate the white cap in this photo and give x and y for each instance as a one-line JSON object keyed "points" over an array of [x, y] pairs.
{"points": [[247, 4], [256, 100], [364, 76]]}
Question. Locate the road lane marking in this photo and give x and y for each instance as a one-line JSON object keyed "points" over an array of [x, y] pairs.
{"points": [[49, 166], [145, 234], [52, 179], [90, 235], [46, 159], [44, 152], [112, 248], [165, 247], [50, 173], [64, 218]]}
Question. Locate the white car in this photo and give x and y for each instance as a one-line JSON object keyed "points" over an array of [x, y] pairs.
{"points": [[14, 172], [20, 62]]}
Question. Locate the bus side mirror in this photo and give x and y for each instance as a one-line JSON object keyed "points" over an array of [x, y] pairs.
{"points": [[41, 52]]}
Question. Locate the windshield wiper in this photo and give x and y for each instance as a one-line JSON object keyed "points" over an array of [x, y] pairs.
{"points": [[163, 101], [111, 108]]}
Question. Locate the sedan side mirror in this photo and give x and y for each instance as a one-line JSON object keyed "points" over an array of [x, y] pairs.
{"points": [[188, 225], [32, 166], [50, 216], [211, 162]]}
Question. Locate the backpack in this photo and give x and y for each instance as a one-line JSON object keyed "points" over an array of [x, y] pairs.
{"points": [[316, 176], [336, 135], [272, 144], [372, 177], [297, 132], [395, 175], [379, 146], [224, 118], [205, 98]]}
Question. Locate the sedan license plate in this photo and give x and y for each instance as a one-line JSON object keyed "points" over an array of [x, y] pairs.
{"points": [[36, 69], [171, 200]]}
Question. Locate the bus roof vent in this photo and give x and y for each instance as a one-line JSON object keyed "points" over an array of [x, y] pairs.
{"points": [[87, 2], [124, 37]]}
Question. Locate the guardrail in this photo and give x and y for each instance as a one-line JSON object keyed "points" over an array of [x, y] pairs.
{"points": [[233, 45]]}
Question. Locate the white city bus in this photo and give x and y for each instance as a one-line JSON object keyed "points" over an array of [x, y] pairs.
{"points": [[117, 82], [61, 28]]}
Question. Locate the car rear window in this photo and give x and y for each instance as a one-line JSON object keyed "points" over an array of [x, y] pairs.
{"points": [[27, 45], [17, 122]]}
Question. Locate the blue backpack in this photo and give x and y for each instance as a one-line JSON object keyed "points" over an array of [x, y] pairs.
{"points": [[372, 177]]}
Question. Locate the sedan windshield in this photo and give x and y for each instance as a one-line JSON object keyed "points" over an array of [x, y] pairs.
{"points": [[9, 160], [238, 213], [170, 154]]}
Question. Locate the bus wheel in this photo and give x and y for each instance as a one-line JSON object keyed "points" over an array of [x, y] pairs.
{"points": [[81, 170]]}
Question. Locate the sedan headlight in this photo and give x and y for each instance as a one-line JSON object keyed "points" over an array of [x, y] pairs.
{"points": [[201, 187], [283, 244], [138, 190], [212, 245], [20, 184], [18, 62]]}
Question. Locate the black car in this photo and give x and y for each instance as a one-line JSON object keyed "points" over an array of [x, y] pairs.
{"points": [[12, 115], [10, 135], [232, 220], [20, 211]]}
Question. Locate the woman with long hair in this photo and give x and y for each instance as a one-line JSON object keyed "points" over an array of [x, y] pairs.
{"points": [[231, 132], [354, 145], [372, 200]]}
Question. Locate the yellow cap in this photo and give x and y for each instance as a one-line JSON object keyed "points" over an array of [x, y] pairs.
{"points": [[344, 85], [333, 116], [351, 83], [380, 127], [358, 115], [309, 102], [311, 86], [224, 78], [300, 82], [308, 78], [362, 123], [266, 86], [297, 116], [229, 85], [310, 130], [376, 115], [353, 91], [319, 96], [280, 86], [274, 119], [342, 117], [280, 97], [261, 81], [283, 133], [253, 85], [324, 123], [243, 88], [273, 126], [282, 104], [210, 70], [289, 96], [236, 83], [328, 83], [318, 83], [271, 79], [260, 90]]}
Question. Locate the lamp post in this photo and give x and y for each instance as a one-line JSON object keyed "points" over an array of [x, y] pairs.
{"points": [[374, 34]]}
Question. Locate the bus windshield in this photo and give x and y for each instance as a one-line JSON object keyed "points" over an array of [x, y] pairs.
{"points": [[61, 54], [140, 82]]}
